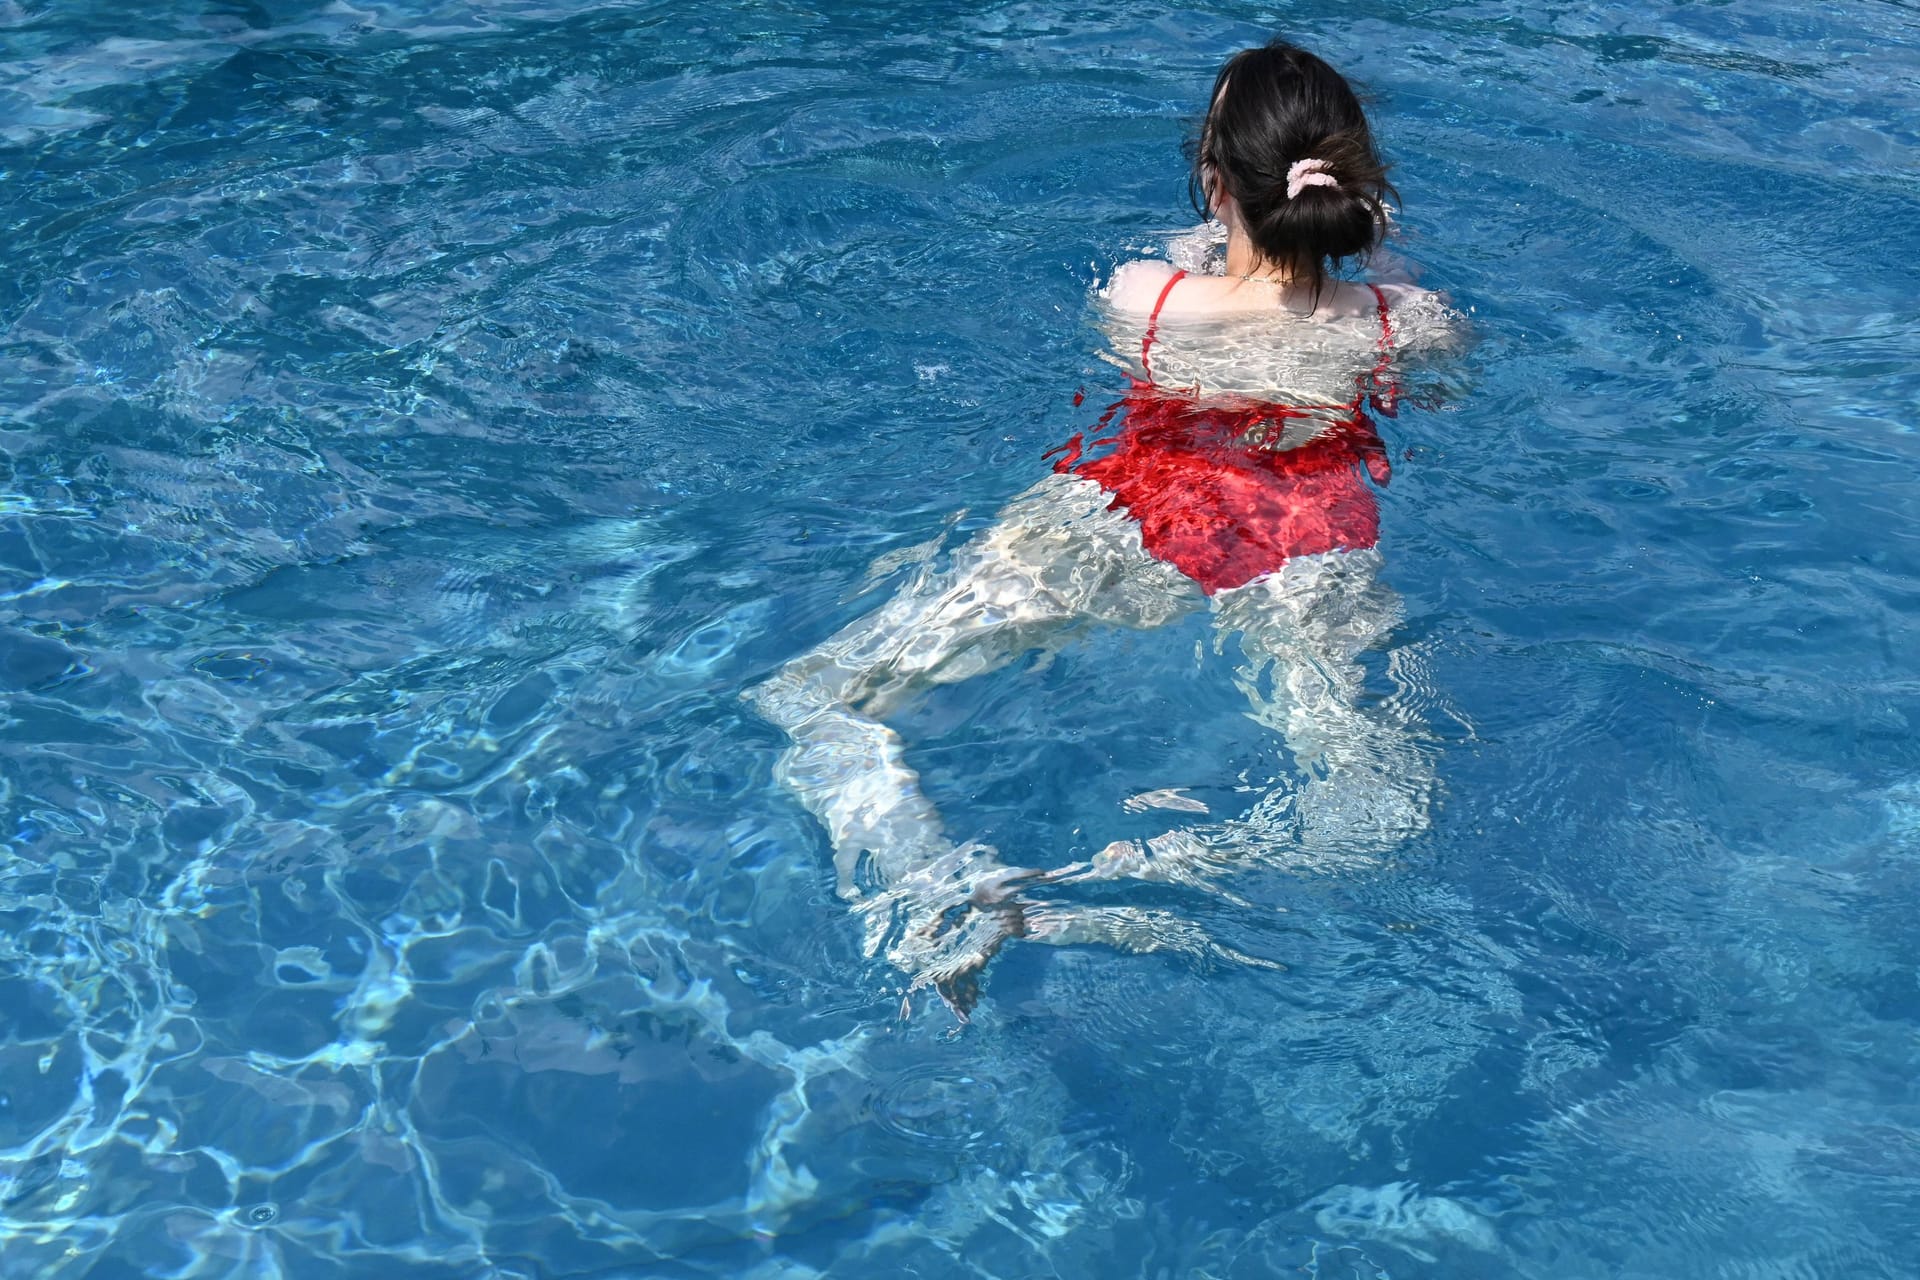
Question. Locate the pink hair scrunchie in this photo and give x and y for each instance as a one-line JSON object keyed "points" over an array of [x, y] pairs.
{"points": [[1308, 173]]}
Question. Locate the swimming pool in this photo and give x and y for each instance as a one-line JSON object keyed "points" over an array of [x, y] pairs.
{"points": [[422, 419]]}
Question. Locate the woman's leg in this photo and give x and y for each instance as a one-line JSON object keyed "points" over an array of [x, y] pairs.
{"points": [[1366, 777], [1056, 558]]}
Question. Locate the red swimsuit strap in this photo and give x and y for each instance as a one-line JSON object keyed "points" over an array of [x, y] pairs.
{"points": [[1386, 328], [1153, 322], [1383, 385]]}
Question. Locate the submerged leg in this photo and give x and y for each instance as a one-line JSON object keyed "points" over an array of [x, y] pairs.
{"points": [[1056, 557], [1367, 781], [1367, 777]]}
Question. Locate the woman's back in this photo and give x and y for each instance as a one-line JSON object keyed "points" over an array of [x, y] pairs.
{"points": [[1213, 335]]}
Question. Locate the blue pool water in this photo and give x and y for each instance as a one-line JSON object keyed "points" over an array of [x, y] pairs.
{"points": [[422, 419]]}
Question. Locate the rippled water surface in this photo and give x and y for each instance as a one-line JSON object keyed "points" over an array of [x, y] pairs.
{"points": [[421, 419]]}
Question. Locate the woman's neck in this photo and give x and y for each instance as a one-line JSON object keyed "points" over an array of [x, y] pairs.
{"points": [[1248, 263]]}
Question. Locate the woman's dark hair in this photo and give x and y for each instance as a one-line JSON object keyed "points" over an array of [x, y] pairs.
{"points": [[1271, 108]]}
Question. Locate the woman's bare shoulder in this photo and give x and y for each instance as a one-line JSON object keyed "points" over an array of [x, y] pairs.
{"points": [[1136, 286], [1401, 293], [1425, 318], [1139, 288]]}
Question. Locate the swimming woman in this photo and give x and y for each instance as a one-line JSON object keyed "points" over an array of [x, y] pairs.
{"points": [[1235, 475]]}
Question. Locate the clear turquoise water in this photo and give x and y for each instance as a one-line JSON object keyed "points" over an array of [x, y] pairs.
{"points": [[420, 421]]}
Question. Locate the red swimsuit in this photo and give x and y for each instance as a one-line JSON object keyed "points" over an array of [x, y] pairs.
{"points": [[1212, 501]]}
